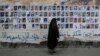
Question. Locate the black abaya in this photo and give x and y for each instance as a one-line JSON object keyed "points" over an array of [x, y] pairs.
{"points": [[53, 34]]}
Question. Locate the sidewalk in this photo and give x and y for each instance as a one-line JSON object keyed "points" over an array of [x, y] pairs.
{"points": [[43, 52]]}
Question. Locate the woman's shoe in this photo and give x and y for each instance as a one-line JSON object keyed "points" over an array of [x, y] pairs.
{"points": [[54, 51], [51, 53]]}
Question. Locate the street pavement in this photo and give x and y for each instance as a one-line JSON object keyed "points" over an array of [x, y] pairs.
{"points": [[43, 52]]}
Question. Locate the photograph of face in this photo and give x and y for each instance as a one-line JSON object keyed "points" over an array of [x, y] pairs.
{"points": [[66, 25], [58, 19], [32, 20], [1, 14], [2, 20], [45, 7], [7, 20], [36, 20], [20, 26], [49, 8], [82, 26], [40, 14], [49, 14], [62, 7], [79, 14], [23, 7], [71, 20], [75, 20], [11, 26], [96, 14], [3, 26], [40, 7], [24, 26], [66, 20], [45, 20], [87, 26], [67, 14], [97, 7], [88, 14], [71, 25], [37, 26], [71, 7], [45, 14], [92, 14], [63, 13], [96, 26], [92, 26], [29, 20], [32, 14], [15, 8], [54, 7], [96, 20], [19, 7], [66, 7], [88, 7], [83, 14], [75, 7], [71, 13], [33, 26], [58, 13], [83, 20], [14, 14], [15, 26], [62, 26], [62, 19], [75, 13], [41, 26], [6, 14], [36, 7], [36, 13], [23, 14], [24, 20], [6, 26], [79, 20], [45, 26], [58, 7]]}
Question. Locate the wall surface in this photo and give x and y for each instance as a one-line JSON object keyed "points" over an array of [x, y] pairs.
{"points": [[80, 20]]}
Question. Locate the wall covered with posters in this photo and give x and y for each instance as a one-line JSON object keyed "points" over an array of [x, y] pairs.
{"points": [[29, 23]]}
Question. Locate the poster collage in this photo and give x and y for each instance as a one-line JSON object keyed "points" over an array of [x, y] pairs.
{"points": [[68, 17]]}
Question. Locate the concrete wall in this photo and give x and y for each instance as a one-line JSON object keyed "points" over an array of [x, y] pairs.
{"points": [[30, 35]]}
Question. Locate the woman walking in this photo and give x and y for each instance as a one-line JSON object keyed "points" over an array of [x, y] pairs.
{"points": [[53, 35]]}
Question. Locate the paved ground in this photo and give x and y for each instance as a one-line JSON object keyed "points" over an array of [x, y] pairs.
{"points": [[43, 52]]}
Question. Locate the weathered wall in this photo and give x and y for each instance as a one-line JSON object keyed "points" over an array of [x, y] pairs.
{"points": [[36, 35], [44, 1]]}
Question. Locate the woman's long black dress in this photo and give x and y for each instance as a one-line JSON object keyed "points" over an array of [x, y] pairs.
{"points": [[53, 34]]}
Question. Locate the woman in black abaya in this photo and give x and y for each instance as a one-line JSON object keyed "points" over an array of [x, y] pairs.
{"points": [[53, 35]]}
